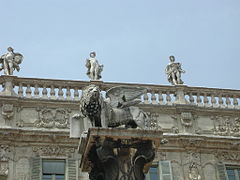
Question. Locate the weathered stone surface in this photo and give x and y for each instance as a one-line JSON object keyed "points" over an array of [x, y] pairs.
{"points": [[111, 154]]}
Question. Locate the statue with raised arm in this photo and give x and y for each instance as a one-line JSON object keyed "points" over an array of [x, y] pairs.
{"points": [[10, 61], [94, 68], [173, 71]]}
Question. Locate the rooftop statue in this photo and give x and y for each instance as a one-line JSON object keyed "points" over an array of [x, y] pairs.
{"points": [[173, 71], [10, 61], [116, 110], [94, 68]]}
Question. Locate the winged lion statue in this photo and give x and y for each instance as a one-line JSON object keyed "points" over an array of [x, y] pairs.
{"points": [[116, 110]]}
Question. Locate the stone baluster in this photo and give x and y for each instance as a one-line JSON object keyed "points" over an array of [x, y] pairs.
{"points": [[28, 91], [213, 101], [235, 102], [36, 91], [160, 98], [68, 94], [168, 98], [228, 102], [153, 98], [191, 98], [60, 93], [76, 94], [52, 93], [205, 100], [20, 90], [199, 100], [44, 92], [220, 101], [145, 99]]}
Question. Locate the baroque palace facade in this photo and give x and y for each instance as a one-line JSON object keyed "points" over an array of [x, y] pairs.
{"points": [[40, 131], [201, 127]]}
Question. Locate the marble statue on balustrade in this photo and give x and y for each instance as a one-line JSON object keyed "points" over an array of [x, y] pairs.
{"points": [[174, 71], [94, 68], [10, 61], [118, 109]]}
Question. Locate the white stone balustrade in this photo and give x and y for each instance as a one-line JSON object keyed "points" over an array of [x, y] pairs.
{"points": [[64, 90]]}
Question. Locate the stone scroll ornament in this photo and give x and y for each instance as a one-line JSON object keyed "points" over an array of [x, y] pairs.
{"points": [[174, 71], [10, 61], [117, 109], [94, 69]]}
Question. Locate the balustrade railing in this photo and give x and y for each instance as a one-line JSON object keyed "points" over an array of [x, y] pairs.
{"points": [[68, 90]]}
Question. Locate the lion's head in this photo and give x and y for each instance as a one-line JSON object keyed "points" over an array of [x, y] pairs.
{"points": [[90, 103]]}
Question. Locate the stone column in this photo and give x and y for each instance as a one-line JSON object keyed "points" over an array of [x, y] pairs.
{"points": [[8, 86]]}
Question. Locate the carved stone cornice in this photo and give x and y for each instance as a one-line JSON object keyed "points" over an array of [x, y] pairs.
{"points": [[34, 135], [53, 150], [190, 143]]}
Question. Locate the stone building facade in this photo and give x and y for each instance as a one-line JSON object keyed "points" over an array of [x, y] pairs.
{"points": [[201, 126]]}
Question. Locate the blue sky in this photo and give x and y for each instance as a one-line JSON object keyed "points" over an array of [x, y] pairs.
{"points": [[132, 38]]}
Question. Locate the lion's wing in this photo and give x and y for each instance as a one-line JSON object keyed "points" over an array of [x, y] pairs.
{"points": [[121, 94]]}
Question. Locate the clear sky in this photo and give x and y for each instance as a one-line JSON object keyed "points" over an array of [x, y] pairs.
{"points": [[132, 38]]}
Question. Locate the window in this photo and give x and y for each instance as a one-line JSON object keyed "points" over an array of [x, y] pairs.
{"points": [[233, 172], [153, 173], [53, 169], [162, 171]]}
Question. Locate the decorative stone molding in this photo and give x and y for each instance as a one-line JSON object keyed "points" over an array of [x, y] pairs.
{"points": [[153, 124], [4, 158], [52, 150], [7, 111], [227, 156], [186, 119], [191, 142], [226, 126], [193, 173], [4, 153], [53, 118], [4, 167]]}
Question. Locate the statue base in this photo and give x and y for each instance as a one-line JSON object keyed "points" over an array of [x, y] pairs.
{"points": [[116, 154]]}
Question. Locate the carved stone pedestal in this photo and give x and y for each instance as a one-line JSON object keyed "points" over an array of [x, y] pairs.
{"points": [[118, 154]]}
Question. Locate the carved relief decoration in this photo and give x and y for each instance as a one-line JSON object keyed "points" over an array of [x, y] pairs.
{"points": [[7, 111], [186, 119], [152, 123], [226, 126], [227, 155], [4, 153], [4, 168], [193, 161], [4, 157], [53, 118], [193, 173], [53, 150]]}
